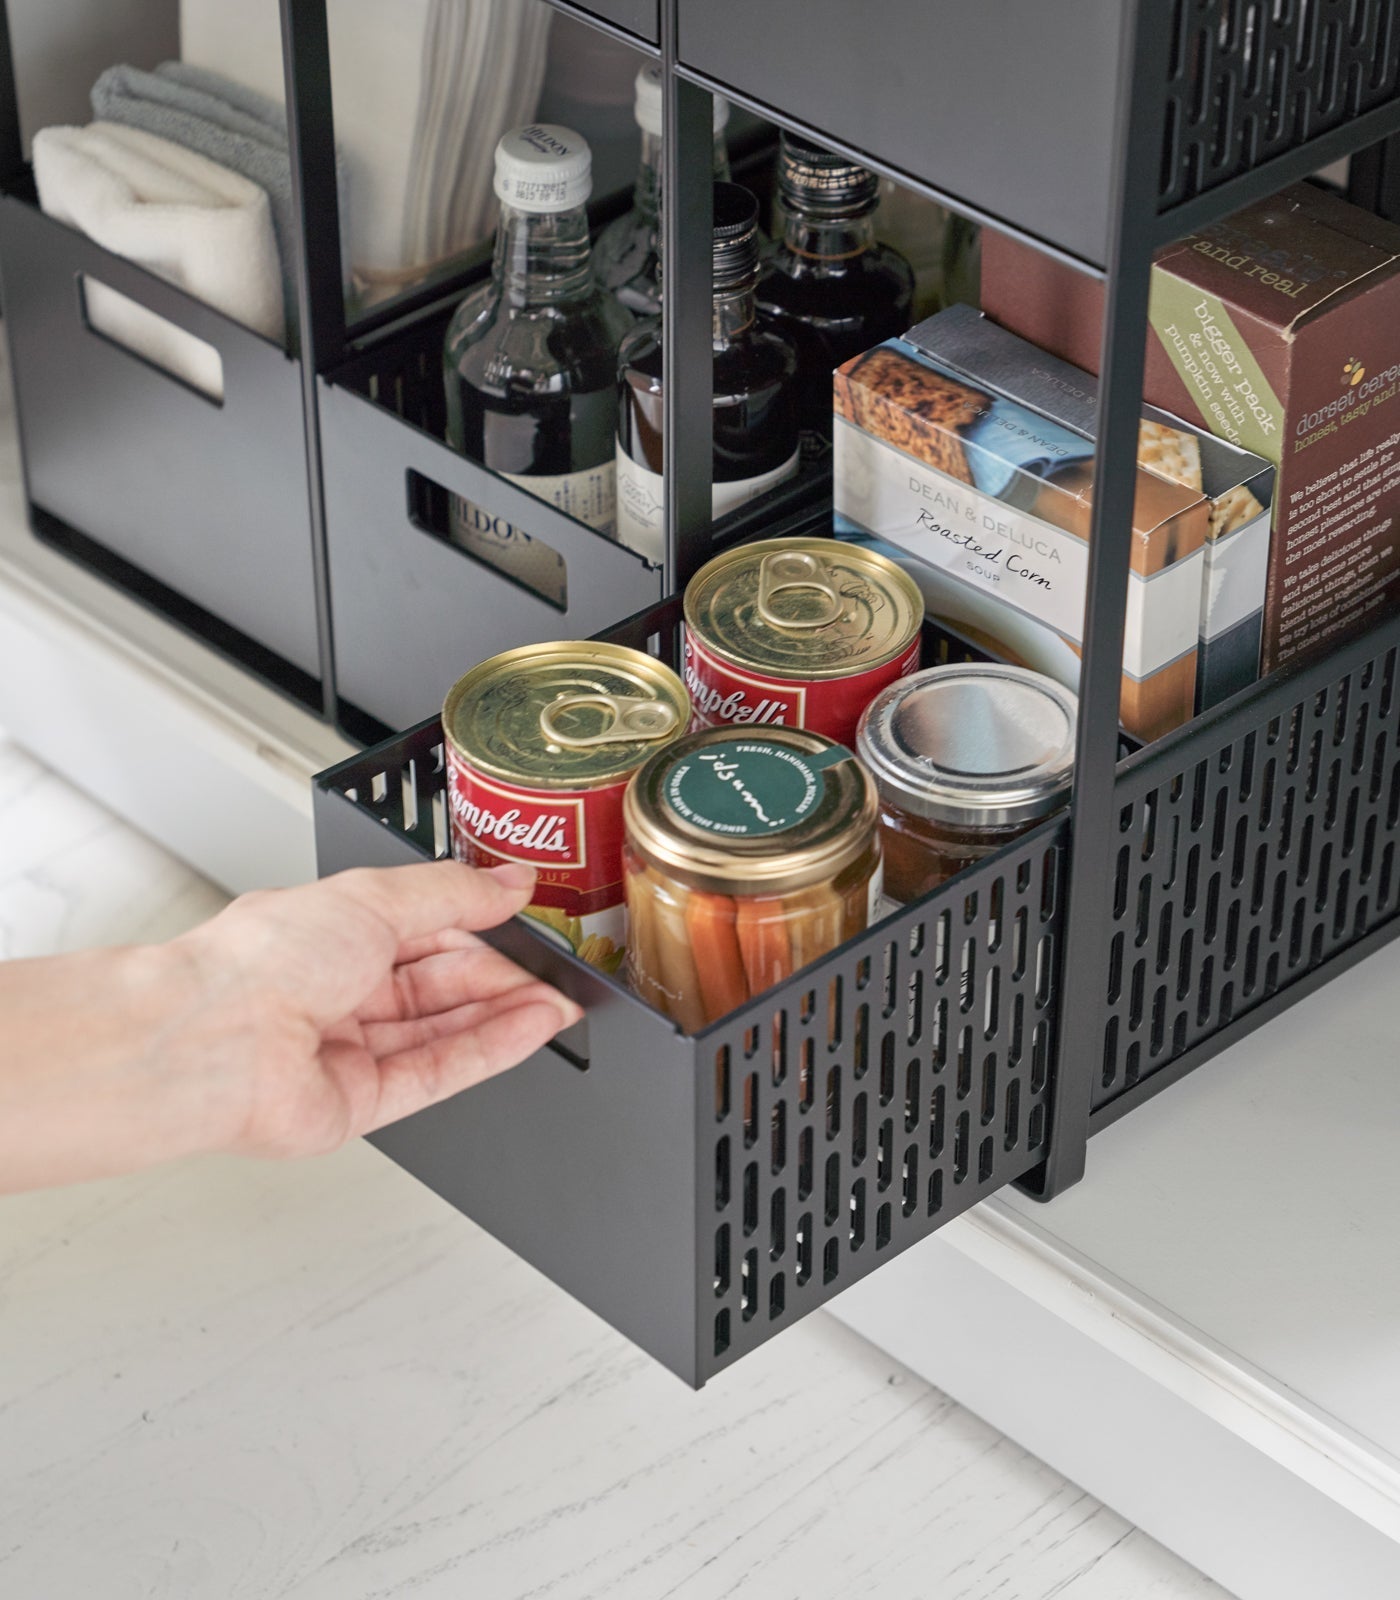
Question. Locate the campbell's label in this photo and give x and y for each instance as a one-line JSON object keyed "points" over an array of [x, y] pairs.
{"points": [[573, 839], [523, 833], [722, 695]]}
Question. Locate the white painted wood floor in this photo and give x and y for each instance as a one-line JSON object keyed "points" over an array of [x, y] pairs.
{"points": [[227, 1380]]}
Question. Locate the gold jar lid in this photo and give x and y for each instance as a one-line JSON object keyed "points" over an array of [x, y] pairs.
{"points": [[762, 814], [564, 716], [804, 608]]}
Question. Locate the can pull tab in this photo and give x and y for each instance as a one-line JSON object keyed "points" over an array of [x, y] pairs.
{"points": [[632, 718], [795, 569]]}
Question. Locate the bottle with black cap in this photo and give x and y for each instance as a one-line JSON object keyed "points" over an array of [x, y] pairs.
{"points": [[627, 256], [530, 360], [828, 285], [754, 415]]}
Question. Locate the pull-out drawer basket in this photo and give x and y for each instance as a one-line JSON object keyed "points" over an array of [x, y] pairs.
{"points": [[703, 1193]]}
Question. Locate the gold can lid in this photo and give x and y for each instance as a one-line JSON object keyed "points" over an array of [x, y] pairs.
{"points": [[565, 715], [804, 608], [762, 814]]}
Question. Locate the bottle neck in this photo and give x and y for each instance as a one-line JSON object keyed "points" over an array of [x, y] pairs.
{"points": [[824, 239], [542, 257], [646, 192], [735, 310], [646, 195]]}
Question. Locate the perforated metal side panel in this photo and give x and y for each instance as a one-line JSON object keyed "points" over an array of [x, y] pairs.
{"points": [[1248, 79], [1249, 867], [905, 1080], [824, 1128]]}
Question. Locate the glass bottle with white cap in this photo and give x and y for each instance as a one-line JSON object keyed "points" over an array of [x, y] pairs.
{"points": [[530, 360], [965, 759], [627, 257]]}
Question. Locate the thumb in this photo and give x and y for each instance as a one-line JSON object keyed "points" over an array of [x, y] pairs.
{"points": [[424, 899]]}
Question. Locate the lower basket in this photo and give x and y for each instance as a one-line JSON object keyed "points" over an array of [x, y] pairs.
{"points": [[702, 1193], [196, 505]]}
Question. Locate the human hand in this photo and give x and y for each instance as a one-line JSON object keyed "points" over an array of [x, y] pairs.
{"points": [[294, 1020]]}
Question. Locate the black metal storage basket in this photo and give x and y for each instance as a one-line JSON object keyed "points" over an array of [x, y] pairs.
{"points": [[1256, 855], [412, 610], [703, 1193], [198, 507]]}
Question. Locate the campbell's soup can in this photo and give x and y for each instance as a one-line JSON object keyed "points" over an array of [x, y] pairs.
{"points": [[798, 633], [540, 744]]}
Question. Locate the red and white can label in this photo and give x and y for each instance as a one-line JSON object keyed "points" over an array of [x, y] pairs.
{"points": [[723, 695], [572, 837]]}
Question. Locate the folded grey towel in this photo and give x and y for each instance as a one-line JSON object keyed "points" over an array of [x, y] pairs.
{"points": [[190, 115], [252, 102], [237, 127]]}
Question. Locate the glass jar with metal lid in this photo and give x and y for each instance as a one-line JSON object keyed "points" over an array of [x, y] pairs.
{"points": [[747, 856], [799, 633], [540, 744], [965, 758]]}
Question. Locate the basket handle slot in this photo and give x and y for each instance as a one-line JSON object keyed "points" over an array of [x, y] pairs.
{"points": [[487, 538], [572, 1044], [150, 338]]}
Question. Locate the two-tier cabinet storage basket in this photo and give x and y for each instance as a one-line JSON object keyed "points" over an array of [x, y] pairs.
{"points": [[704, 1192]]}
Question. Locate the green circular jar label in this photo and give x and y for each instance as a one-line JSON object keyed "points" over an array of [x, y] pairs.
{"points": [[747, 788]]}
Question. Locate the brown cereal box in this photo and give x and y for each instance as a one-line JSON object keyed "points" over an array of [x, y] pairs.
{"points": [[1279, 330]]}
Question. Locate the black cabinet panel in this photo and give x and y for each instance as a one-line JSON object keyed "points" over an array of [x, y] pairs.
{"points": [[1007, 104], [637, 16]]}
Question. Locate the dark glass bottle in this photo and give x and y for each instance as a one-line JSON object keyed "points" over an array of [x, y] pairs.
{"points": [[828, 285], [530, 359], [755, 427], [627, 256]]}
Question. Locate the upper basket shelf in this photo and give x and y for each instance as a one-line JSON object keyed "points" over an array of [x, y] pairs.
{"points": [[1014, 114]]}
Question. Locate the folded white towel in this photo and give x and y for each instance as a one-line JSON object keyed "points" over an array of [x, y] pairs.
{"points": [[178, 214]]}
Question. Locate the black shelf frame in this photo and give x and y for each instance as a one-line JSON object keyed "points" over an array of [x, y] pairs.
{"points": [[1283, 806], [1084, 1090]]}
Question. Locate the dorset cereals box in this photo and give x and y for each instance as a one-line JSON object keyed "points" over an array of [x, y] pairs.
{"points": [[1279, 329]]}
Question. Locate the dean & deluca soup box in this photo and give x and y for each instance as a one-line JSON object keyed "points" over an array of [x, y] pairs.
{"points": [[988, 502], [1278, 329]]}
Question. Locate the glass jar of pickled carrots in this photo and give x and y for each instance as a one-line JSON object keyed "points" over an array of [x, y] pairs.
{"points": [[745, 859], [966, 758]]}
